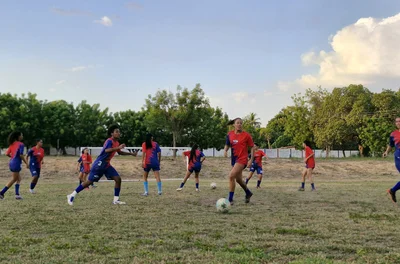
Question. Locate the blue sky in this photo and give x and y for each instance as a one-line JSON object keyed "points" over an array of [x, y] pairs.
{"points": [[249, 56]]}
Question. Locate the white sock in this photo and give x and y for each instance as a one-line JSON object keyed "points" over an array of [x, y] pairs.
{"points": [[116, 198], [74, 193]]}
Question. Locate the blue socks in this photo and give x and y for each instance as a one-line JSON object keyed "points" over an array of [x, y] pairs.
{"points": [[5, 189], [312, 186], [16, 189], [247, 180], [146, 187], [396, 187], [197, 186], [33, 185], [231, 196], [116, 191], [182, 184], [258, 183], [302, 185], [159, 187], [247, 191], [79, 189]]}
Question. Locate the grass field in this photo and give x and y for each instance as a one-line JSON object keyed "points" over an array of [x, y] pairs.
{"points": [[349, 219]]}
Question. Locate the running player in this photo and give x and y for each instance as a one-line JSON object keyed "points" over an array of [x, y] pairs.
{"points": [[256, 166], [102, 166], [35, 156], [16, 152], [309, 160], [239, 141], [394, 142], [151, 159], [84, 162], [196, 158]]}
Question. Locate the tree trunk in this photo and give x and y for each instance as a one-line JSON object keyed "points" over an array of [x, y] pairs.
{"points": [[327, 150], [174, 143]]}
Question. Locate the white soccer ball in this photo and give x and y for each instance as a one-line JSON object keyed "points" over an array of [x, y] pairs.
{"points": [[213, 185], [223, 205]]}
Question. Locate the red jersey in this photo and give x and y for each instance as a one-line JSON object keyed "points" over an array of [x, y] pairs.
{"points": [[196, 158], [86, 160], [239, 144], [14, 151], [311, 161], [395, 140], [151, 153], [258, 155], [36, 156]]}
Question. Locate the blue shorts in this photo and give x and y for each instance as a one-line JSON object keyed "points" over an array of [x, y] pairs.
{"points": [[256, 168], [309, 168], [397, 161], [35, 171], [82, 169], [15, 167], [195, 169], [150, 167], [97, 172]]}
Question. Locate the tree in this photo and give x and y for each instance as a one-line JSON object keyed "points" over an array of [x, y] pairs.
{"points": [[132, 127]]}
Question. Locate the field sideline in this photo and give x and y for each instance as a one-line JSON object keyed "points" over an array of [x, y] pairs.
{"points": [[349, 219]]}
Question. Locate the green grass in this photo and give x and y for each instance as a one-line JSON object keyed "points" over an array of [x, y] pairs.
{"points": [[351, 222]]}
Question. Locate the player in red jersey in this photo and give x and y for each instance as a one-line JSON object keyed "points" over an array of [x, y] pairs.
{"points": [[84, 162], [35, 155], [239, 141], [16, 153], [195, 158], [394, 142], [151, 160], [102, 166], [256, 166], [309, 160]]}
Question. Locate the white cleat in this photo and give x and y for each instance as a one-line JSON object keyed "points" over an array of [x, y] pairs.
{"points": [[159, 193], [32, 191], [145, 194], [197, 190], [118, 202], [18, 197], [179, 189], [70, 199]]}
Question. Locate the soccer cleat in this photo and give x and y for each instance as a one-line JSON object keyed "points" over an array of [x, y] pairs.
{"points": [[179, 189], [301, 189], [197, 190], [93, 186], [70, 199], [159, 193], [18, 197], [118, 202], [258, 187], [145, 194], [313, 190], [392, 195], [248, 196], [1, 196], [231, 202], [32, 191]]}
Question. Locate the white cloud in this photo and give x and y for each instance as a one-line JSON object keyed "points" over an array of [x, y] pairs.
{"points": [[83, 67], [105, 21], [60, 82], [361, 53]]}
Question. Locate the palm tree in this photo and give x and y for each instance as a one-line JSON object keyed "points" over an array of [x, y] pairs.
{"points": [[253, 120]]}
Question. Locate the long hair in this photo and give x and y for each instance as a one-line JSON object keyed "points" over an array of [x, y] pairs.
{"points": [[307, 143], [111, 129], [149, 144], [231, 122], [13, 137], [193, 152]]}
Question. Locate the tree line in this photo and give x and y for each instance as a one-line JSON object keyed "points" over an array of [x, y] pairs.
{"points": [[346, 118]]}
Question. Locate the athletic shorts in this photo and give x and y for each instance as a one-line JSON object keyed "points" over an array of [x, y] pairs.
{"points": [[256, 168], [97, 172], [35, 172], [150, 167]]}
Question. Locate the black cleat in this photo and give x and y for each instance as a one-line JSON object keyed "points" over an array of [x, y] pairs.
{"points": [[392, 195], [248, 196]]}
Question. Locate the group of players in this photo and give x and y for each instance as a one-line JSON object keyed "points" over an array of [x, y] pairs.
{"points": [[238, 140]]}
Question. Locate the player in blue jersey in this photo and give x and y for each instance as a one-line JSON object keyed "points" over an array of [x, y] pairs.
{"points": [[35, 155], [102, 166], [195, 159], [151, 160], [394, 142], [16, 153]]}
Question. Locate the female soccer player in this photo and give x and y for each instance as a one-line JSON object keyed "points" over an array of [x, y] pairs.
{"points": [[102, 166], [35, 156], [196, 158], [239, 141], [84, 162], [310, 165], [394, 142], [16, 152], [151, 160], [257, 165]]}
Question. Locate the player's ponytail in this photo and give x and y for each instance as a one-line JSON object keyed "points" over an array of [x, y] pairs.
{"points": [[231, 122], [14, 136], [193, 152], [307, 143], [149, 138]]}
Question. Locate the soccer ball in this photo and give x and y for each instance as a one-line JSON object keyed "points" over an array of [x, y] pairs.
{"points": [[223, 205], [213, 185]]}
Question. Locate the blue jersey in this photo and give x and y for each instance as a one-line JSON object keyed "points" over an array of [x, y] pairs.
{"points": [[103, 160]]}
